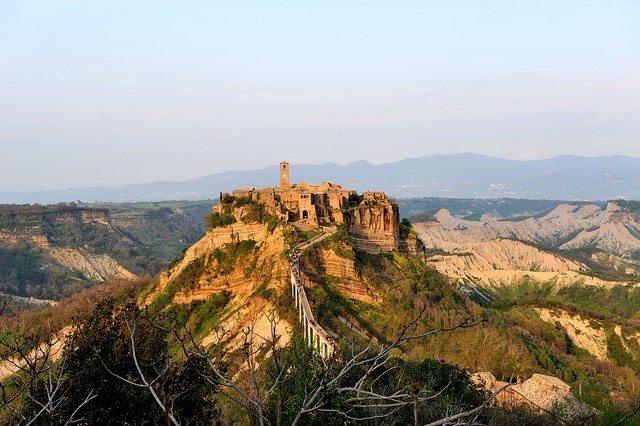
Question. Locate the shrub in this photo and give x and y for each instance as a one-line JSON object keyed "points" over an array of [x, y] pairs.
{"points": [[217, 220]]}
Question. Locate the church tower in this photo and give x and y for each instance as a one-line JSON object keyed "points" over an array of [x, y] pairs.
{"points": [[284, 175]]}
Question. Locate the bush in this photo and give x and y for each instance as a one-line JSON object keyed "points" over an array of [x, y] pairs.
{"points": [[272, 222], [255, 213], [217, 220], [405, 229], [229, 254]]}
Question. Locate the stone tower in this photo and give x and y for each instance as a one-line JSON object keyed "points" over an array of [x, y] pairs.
{"points": [[284, 175]]}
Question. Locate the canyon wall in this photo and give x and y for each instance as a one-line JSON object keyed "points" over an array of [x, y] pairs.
{"points": [[374, 228]]}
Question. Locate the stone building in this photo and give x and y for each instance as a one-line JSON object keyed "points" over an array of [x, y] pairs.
{"points": [[372, 219]]}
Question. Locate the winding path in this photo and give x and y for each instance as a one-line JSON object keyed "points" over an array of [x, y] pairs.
{"points": [[314, 334]]}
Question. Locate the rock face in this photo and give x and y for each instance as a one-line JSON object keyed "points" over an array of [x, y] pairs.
{"points": [[95, 267], [565, 227], [345, 277], [264, 261], [374, 228], [497, 252], [243, 259], [585, 333], [83, 214], [540, 391], [337, 266]]}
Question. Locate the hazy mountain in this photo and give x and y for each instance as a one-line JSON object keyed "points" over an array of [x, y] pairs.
{"points": [[459, 175]]}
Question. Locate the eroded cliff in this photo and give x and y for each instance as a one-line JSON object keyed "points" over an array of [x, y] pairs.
{"points": [[374, 228]]}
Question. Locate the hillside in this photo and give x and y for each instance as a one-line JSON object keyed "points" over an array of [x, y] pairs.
{"points": [[54, 251], [567, 226], [571, 243], [371, 296], [456, 175], [225, 324]]}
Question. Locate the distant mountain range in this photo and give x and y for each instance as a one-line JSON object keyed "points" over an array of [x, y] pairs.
{"points": [[457, 175]]}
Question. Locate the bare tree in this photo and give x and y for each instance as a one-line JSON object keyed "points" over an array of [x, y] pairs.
{"points": [[357, 375], [31, 355]]}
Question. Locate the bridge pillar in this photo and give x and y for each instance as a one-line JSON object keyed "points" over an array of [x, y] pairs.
{"points": [[299, 304]]}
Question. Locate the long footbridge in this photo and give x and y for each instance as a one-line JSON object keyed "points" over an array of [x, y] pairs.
{"points": [[316, 336]]}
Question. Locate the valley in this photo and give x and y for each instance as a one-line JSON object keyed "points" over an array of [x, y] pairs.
{"points": [[55, 251], [546, 296]]}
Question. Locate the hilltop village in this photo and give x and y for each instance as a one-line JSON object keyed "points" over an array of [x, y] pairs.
{"points": [[372, 219]]}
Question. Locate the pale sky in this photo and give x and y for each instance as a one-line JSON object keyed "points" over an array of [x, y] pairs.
{"points": [[114, 92]]}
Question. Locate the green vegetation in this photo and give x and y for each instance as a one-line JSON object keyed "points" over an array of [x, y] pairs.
{"points": [[218, 220], [272, 223], [230, 255], [554, 352], [405, 285], [142, 237], [222, 260], [26, 271], [340, 243], [187, 279], [406, 230], [200, 316], [101, 351], [293, 236], [252, 212]]}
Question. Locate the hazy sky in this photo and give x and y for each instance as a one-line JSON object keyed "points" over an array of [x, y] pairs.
{"points": [[112, 92]]}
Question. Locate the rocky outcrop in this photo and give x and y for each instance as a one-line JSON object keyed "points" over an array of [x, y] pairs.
{"points": [[374, 228], [93, 267], [83, 214], [539, 391], [498, 261], [566, 226], [263, 267], [337, 266], [347, 280], [265, 262], [583, 332]]}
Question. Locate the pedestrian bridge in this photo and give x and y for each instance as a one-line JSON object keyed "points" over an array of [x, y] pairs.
{"points": [[316, 336]]}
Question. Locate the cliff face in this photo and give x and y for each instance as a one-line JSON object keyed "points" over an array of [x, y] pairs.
{"points": [[374, 228], [70, 247], [245, 261], [242, 277], [96, 268], [565, 227], [83, 214], [342, 272]]}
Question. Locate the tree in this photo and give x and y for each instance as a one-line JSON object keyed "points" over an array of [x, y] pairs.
{"points": [[90, 377], [33, 369], [293, 385]]}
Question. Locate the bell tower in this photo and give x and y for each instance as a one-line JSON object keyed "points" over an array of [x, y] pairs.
{"points": [[284, 175]]}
